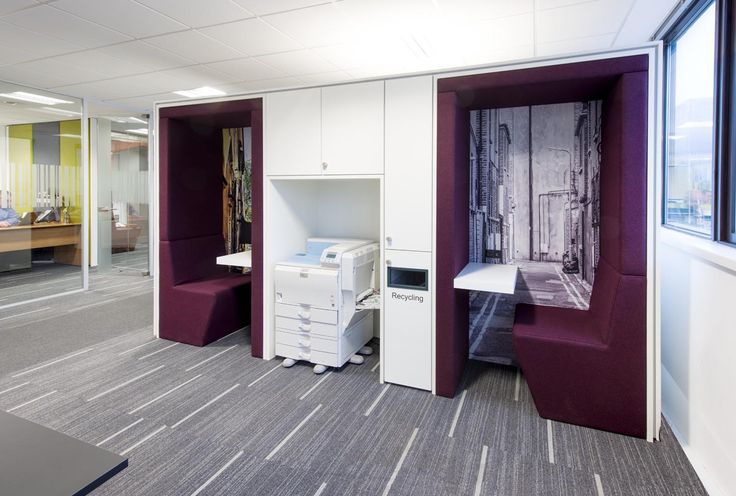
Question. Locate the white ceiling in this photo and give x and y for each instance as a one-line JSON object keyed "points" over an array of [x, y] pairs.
{"points": [[134, 52]]}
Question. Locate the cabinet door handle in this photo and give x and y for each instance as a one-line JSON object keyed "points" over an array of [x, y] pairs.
{"points": [[324, 165], [388, 239], [388, 262]]}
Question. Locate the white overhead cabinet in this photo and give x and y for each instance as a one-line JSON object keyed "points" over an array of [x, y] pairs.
{"points": [[293, 132], [408, 177], [337, 130], [352, 128]]}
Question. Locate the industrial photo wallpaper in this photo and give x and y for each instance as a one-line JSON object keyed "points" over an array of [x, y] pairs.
{"points": [[534, 203]]}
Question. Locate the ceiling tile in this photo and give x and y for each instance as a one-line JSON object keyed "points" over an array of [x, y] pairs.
{"points": [[371, 18], [126, 16], [263, 85], [259, 7], [13, 55], [326, 77], [383, 53], [36, 44], [581, 20], [480, 42], [102, 62], [24, 75], [196, 76], [643, 21], [141, 103], [197, 13], [49, 21], [246, 69], [315, 26], [124, 87], [576, 45], [148, 56], [9, 6], [297, 62], [61, 71], [554, 4], [195, 46], [484, 9], [252, 37]]}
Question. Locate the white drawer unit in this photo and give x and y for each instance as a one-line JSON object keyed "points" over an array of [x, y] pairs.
{"points": [[407, 333], [307, 326], [321, 350], [307, 313]]}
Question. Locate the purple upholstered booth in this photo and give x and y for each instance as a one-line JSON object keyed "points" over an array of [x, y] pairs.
{"points": [[200, 301], [582, 367]]}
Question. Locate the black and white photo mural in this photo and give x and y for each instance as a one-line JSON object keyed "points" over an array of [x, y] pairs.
{"points": [[534, 203]]}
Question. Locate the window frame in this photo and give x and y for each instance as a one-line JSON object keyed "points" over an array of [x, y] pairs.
{"points": [[723, 221]]}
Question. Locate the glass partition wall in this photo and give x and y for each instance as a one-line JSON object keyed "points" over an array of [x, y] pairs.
{"points": [[120, 165], [42, 195]]}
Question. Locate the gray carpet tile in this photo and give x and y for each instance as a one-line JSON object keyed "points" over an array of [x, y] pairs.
{"points": [[215, 421]]}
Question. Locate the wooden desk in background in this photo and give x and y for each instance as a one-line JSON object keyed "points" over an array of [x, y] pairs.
{"points": [[65, 239]]}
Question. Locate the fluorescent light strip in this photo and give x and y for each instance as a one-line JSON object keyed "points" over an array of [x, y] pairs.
{"points": [[32, 97], [200, 92], [143, 131]]}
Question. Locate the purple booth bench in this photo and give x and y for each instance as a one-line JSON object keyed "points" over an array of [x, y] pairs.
{"points": [[202, 301]]}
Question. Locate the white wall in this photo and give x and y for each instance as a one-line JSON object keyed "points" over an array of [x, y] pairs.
{"points": [[698, 301]]}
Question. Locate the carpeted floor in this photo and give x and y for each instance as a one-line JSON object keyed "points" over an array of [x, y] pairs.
{"points": [[215, 421]]}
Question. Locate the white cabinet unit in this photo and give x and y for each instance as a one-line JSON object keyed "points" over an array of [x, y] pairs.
{"points": [[408, 195], [352, 128], [407, 326], [292, 132]]}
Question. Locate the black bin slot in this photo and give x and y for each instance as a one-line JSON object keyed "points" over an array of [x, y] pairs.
{"points": [[400, 277]]}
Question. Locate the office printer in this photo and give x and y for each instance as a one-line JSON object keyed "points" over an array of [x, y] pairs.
{"points": [[320, 312]]}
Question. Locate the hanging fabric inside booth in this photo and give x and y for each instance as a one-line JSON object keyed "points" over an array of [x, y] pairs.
{"points": [[237, 200]]}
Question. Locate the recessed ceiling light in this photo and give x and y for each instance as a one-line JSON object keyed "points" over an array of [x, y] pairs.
{"points": [[200, 92], [143, 130], [136, 119], [695, 124], [32, 97]]}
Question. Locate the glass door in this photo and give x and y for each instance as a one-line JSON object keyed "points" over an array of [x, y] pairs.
{"points": [[121, 178]]}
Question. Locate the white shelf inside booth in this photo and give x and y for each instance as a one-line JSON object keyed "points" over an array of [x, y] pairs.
{"points": [[491, 278], [240, 259]]}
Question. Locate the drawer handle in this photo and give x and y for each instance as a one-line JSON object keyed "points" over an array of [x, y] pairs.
{"points": [[305, 327], [304, 355], [305, 343], [303, 315]]}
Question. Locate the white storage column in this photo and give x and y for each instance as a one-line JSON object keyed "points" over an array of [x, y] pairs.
{"points": [[292, 132], [408, 176], [407, 328], [352, 128]]}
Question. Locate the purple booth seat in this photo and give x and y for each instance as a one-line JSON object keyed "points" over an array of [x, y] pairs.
{"points": [[587, 367], [200, 300]]}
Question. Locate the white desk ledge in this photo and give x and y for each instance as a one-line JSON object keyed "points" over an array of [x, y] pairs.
{"points": [[241, 259], [492, 278]]}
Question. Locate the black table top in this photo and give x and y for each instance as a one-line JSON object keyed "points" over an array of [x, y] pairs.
{"points": [[36, 460]]}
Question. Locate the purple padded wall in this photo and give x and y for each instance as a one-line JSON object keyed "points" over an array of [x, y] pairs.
{"points": [[624, 188], [256, 302], [190, 173], [453, 192]]}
